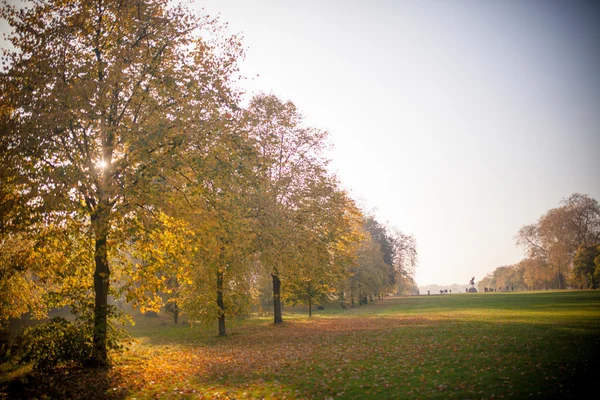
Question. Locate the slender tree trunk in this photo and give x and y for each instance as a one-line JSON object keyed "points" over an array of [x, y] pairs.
{"points": [[360, 296], [101, 287], [559, 278], [220, 302], [277, 318], [100, 216], [309, 301], [175, 313]]}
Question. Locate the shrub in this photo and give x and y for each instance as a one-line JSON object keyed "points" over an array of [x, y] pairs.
{"points": [[56, 342]]}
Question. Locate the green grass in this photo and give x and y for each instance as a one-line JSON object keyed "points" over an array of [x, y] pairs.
{"points": [[536, 345]]}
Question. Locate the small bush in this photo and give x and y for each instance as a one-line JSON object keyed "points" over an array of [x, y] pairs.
{"points": [[56, 342], [5, 343]]}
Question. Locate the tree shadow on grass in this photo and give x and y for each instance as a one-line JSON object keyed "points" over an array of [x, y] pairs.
{"points": [[65, 383]]}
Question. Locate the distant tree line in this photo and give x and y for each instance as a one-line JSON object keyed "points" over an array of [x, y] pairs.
{"points": [[562, 250]]}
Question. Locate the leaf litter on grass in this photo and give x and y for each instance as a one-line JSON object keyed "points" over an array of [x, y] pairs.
{"points": [[358, 355]]}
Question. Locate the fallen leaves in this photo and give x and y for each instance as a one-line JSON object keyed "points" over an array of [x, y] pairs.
{"points": [[345, 357]]}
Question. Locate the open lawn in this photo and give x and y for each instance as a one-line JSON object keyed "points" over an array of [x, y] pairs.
{"points": [[458, 346]]}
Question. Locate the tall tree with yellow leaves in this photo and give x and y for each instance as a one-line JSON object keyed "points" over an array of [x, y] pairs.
{"points": [[97, 99], [291, 155]]}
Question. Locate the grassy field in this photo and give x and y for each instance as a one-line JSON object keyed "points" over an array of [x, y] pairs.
{"points": [[460, 346]]}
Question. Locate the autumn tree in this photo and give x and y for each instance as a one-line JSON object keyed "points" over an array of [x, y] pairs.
{"points": [[397, 248], [536, 274], [222, 270], [45, 267], [508, 277], [556, 236], [405, 257], [209, 239], [153, 266], [486, 282], [97, 100], [326, 233], [386, 259], [585, 265], [370, 274], [291, 157], [381, 235], [406, 285]]}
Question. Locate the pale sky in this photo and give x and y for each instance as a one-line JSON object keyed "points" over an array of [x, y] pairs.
{"points": [[457, 121]]}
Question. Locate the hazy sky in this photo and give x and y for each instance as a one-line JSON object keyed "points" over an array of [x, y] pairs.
{"points": [[456, 121]]}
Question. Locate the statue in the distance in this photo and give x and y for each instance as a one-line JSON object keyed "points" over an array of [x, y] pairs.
{"points": [[472, 288]]}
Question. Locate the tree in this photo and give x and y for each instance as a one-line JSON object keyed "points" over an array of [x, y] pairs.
{"points": [[326, 226], [398, 249], [369, 275], [45, 267], [154, 263], [98, 98], [585, 265], [597, 270], [509, 277], [380, 234], [291, 157], [486, 282], [536, 273], [405, 255], [555, 237], [406, 285]]}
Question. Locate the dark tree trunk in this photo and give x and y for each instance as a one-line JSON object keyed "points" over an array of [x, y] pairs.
{"points": [[360, 296], [561, 279], [220, 303], [101, 286], [175, 313], [276, 299], [309, 301]]}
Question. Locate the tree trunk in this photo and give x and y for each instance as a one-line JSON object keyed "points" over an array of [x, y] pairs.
{"points": [[101, 286], [559, 276], [277, 318], [175, 313], [309, 301], [360, 295], [220, 303]]}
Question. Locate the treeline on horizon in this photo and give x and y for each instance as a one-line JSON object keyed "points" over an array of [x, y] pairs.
{"points": [[131, 170], [562, 250]]}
